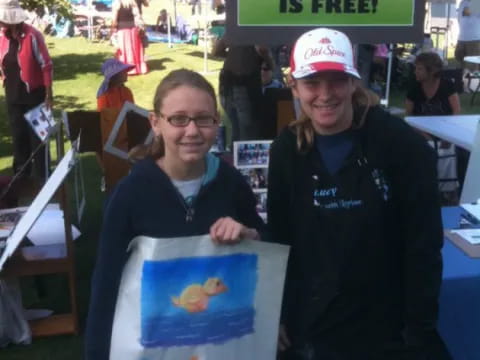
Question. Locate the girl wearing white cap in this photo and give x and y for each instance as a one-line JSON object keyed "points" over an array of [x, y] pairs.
{"points": [[26, 71], [353, 191]]}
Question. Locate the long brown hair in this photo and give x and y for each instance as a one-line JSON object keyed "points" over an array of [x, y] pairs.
{"points": [[175, 79], [303, 128]]}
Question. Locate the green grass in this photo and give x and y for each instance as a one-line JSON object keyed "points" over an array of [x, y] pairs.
{"points": [[76, 80], [77, 77]]}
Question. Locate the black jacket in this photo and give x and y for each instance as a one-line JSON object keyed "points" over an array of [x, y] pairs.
{"points": [[146, 203], [365, 262]]}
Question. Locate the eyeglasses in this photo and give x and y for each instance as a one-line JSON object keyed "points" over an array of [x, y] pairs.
{"points": [[181, 120]]}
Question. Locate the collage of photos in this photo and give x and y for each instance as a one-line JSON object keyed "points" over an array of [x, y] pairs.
{"points": [[251, 159], [41, 120]]}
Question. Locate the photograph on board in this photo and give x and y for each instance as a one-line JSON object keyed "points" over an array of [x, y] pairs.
{"points": [[251, 153]]}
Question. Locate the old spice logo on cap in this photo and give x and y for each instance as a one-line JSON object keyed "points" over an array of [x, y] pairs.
{"points": [[328, 50], [325, 40]]}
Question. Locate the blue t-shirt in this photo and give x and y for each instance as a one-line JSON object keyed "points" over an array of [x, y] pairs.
{"points": [[334, 149]]}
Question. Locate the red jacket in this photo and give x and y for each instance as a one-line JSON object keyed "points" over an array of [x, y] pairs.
{"points": [[36, 67]]}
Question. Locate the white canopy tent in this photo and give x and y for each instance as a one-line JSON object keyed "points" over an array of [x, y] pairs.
{"points": [[204, 20]]}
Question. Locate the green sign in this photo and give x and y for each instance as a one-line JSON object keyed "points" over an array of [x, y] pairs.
{"points": [[325, 12]]}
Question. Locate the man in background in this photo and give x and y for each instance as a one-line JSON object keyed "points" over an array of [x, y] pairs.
{"points": [[469, 34], [241, 89]]}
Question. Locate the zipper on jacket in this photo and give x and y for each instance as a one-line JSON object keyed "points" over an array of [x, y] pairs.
{"points": [[189, 214], [190, 209]]}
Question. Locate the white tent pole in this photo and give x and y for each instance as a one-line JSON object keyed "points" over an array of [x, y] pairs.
{"points": [[205, 36], [175, 11], [90, 19], [389, 74], [447, 31], [169, 30]]}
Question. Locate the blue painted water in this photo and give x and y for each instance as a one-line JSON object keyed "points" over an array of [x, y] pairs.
{"points": [[198, 328], [230, 313]]}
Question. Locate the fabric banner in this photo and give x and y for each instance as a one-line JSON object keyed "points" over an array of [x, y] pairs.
{"points": [[187, 298]]}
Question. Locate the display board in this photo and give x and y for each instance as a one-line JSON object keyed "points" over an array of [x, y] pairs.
{"points": [[276, 22]]}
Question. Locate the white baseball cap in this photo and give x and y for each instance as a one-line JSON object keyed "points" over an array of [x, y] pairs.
{"points": [[322, 49], [11, 12]]}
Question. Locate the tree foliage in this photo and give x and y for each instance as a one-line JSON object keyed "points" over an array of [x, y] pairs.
{"points": [[62, 7]]}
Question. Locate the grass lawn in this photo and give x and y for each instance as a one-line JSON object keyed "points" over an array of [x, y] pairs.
{"points": [[77, 77], [76, 80]]}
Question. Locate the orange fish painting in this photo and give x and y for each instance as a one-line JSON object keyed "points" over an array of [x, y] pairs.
{"points": [[194, 298]]}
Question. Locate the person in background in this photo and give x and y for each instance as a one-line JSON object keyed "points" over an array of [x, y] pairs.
{"points": [[241, 89], [352, 189], [268, 82], [378, 73], [113, 93], [26, 71], [468, 43], [218, 6], [432, 94], [127, 24], [365, 53], [162, 22], [196, 7], [176, 188]]}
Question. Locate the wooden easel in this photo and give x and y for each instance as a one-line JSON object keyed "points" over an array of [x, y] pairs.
{"points": [[18, 266], [95, 128]]}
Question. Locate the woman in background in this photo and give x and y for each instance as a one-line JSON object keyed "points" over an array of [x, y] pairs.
{"points": [[128, 26], [26, 71], [432, 95]]}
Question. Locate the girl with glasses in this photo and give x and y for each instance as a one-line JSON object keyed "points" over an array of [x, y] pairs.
{"points": [[176, 188]]}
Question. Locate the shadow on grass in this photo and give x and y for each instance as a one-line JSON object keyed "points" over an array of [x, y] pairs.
{"points": [[68, 66], [200, 54], [70, 103], [158, 64]]}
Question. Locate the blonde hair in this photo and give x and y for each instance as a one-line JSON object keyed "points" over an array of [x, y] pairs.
{"points": [[303, 128], [175, 79]]}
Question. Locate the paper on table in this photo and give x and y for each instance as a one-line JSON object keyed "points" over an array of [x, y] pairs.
{"points": [[473, 209], [36, 314], [49, 229], [53, 251], [37, 206], [471, 235]]}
